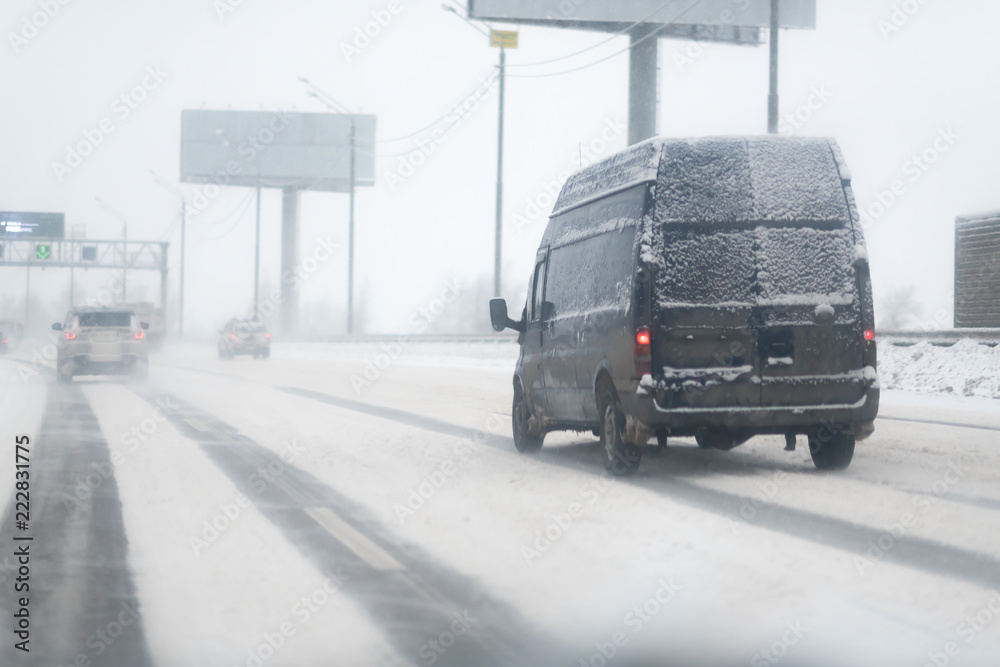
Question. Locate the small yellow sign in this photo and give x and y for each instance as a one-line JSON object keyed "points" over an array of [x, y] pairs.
{"points": [[503, 38]]}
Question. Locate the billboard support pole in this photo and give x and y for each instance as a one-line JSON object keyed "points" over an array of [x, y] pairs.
{"points": [[289, 259], [772, 98], [350, 235], [163, 297], [498, 236], [256, 259], [643, 79]]}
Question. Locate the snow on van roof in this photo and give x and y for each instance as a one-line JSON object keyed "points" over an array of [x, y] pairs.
{"points": [[725, 179]]}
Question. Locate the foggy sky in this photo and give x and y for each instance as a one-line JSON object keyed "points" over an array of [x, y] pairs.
{"points": [[887, 96]]}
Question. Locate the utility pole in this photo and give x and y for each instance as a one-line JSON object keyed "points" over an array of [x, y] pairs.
{"points": [[180, 300], [498, 237], [772, 98], [350, 233], [180, 195], [256, 255]]}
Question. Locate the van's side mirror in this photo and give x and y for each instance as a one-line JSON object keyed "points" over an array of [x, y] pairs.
{"points": [[144, 325], [499, 318], [57, 326]]}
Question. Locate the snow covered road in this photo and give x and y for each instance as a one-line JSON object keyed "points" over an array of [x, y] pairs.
{"points": [[320, 508]]}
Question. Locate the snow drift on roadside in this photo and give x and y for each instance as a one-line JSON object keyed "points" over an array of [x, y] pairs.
{"points": [[965, 369]]}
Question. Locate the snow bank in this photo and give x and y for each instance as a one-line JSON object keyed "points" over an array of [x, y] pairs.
{"points": [[965, 369]]}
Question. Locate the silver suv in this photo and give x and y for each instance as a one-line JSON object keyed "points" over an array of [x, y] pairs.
{"points": [[102, 341]]}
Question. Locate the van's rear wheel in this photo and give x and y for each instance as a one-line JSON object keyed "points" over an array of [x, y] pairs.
{"points": [[620, 458], [524, 441], [831, 451]]}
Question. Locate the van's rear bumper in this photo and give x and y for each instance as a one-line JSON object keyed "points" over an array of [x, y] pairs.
{"points": [[754, 420]]}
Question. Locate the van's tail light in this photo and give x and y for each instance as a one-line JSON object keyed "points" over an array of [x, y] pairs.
{"points": [[871, 349], [643, 353], [70, 335], [232, 336], [139, 335]]}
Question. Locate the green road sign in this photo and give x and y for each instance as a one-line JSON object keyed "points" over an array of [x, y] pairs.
{"points": [[43, 251]]}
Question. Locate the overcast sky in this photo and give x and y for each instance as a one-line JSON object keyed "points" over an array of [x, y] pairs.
{"points": [[886, 95]]}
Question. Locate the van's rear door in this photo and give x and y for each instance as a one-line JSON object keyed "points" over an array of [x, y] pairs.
{"points": [[704, 310], [811, 335]]}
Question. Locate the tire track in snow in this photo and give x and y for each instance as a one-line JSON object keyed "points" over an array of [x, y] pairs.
{"points": [[413, 599], [918, 553], [83, 599]]}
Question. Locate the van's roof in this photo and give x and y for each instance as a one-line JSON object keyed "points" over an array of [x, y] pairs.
{"points": [[755, 179]]}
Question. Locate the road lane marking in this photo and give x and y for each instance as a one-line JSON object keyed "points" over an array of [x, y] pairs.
{"points": [[347, 535]]}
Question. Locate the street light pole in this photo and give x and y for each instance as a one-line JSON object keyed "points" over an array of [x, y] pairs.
{"points": [[350, 234], [772, 98], [498, 236], [124, 222]]}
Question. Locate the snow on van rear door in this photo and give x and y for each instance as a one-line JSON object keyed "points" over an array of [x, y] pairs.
{"points": [[704, 306], [811, 341]]}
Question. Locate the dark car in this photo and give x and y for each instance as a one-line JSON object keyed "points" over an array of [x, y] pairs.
{"points": [[244, 337], [3, 343], [716, 288]]}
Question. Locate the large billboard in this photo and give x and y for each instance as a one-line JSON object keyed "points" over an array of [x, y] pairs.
{"points": [[32, 225], [977, 271], [308, 151], [617, 15]]}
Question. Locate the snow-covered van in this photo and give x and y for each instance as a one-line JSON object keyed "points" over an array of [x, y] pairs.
{"points": [[716, 288]]}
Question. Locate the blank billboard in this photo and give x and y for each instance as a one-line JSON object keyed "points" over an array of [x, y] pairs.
{"points": [[308, 151], [622, 13]]}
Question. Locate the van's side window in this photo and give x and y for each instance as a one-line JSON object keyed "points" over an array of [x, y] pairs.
{"points": [[538, 290]]}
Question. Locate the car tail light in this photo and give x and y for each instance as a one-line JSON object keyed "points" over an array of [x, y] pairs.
{"points": [[139, 335], [267, 335], [643, 353], [70, 335], [232, 336]]}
